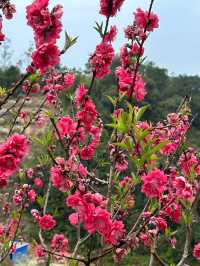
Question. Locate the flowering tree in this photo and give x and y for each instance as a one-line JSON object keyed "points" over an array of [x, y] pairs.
{"points": [[146, 159]]}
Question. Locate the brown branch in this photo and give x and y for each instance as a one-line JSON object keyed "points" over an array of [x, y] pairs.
{"points": [[63, 256], [12, 91]]}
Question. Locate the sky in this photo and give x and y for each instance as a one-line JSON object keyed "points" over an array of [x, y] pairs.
{"points": [[175, 45]]}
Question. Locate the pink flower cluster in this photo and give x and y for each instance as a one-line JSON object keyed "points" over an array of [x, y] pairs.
{"points": [[174, 132], [145, 20], [154, 183], [90, 210], [47, 27], [11, 154], [76, 132], [130, 82], [46, 222], [61, 173], [196, 251], [189, 163], [59, 244], [55, 83], [109, 8], [102, 58], [8, 10]]}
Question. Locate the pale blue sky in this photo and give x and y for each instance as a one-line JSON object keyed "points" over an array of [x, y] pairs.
{"points": [[176, 45]]}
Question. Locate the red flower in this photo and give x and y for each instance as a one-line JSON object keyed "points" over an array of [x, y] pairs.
{"points": [[46, 56], [38, 182], [154, 183], [47, 222], [59, 181], [102, 59], [81, 92], [143, 21], [88, 115], [196, 251], [109, 8], [66, 127], [87, 152], [39, 252], [59, 243], [139, 89], [68, 80], [38, 15], [2, 36]]}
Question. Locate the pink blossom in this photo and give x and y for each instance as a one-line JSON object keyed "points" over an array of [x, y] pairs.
{"points": [[121, 165], [88, 114], [32, 195], [59, 243], [139, 89], [8, 10], [68, 80], [110, 10], [73, 218], [125, 181], [116, 233], [39, 252], [154, 183], [144, 21], [174, 212], [46, 56], [60, 181], [87, 152], [80, 94], [47, 222], [161, 223], [66, 127], [38, 182], [196, 251], [101, 60], [2, 36], [137, 50], [111, 35], [38, 16], [30, 172]]}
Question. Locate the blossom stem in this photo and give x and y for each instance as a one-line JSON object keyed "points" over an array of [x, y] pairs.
{"points": [[18, 111], [12, 91], [140, 50]]}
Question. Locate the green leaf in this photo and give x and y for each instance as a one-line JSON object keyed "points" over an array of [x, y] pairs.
{"points": [[99, 28], [45, 140], [69, 42], [40, 200], [113, 101], [140, 113], [2, 92], [43, 159], [33, 78]]}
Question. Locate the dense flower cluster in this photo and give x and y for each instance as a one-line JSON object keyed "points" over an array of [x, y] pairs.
{"points": [[90, 210], [101, 60], [109, 8], [11, 154], [47, 27], [154, 183], [8, 10], [144, 157], [55, 83], [145, 20], [45, 222], [130, 82], [59, 244]]}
